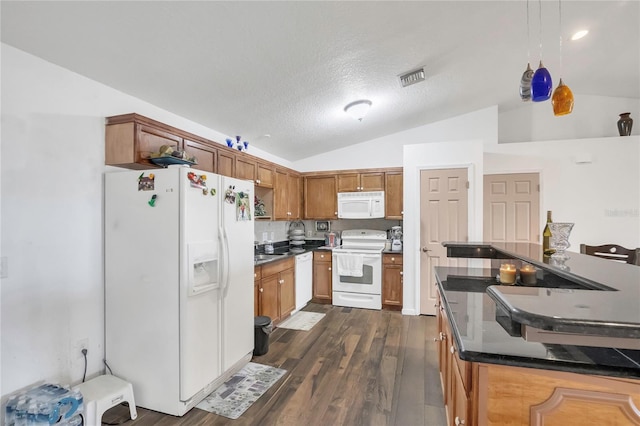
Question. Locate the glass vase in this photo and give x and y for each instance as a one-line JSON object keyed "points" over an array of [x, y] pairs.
{"points": [[560, 239]]}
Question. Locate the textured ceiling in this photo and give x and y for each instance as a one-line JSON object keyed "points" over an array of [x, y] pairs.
{"points": [[288, 68]]}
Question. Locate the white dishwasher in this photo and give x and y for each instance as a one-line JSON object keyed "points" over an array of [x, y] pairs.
{"points": [[304, 279]]}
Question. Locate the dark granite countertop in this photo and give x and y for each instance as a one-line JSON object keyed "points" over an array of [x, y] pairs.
{"points": [[283, 250], [607, 295]]}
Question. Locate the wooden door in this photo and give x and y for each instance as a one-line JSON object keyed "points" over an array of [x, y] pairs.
{"points": [[245, 168], [443, 217], [205, 155], [392, 281], [280, 196], [393, 195], [287, 292], [321, 197], [294, 196], [269, 297], [348, 182], [372, 181], [322, 289], [264, 176], [512, 208], [226, 163]]}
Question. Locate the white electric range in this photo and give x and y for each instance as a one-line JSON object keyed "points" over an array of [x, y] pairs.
{"points": [[357, 269]]}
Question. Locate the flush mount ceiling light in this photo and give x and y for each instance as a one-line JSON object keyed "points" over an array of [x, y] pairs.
{"points": [[579, 35], [358, 109]]}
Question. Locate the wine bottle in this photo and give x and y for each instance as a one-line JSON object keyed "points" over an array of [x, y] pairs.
{"points": [[546, 236]]}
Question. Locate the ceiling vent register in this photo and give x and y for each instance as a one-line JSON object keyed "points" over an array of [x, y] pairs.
{"points": [[412, 77]]}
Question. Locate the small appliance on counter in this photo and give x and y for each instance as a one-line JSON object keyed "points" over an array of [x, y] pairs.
{"points": [[396, 238], [332, 239]]}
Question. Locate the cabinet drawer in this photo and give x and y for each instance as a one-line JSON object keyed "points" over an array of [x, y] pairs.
{"points": [[277, 266], [322, 256], [392, 259], [257, 273]]}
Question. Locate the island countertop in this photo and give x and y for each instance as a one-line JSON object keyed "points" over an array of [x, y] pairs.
{"points": [[609, 304]]}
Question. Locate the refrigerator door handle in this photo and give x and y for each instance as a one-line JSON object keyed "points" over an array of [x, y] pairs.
{"points": [[227, 262]]}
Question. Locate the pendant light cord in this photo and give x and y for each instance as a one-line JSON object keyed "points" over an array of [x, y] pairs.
{"points": [[540, 29], [560, 32], [528, 36]]}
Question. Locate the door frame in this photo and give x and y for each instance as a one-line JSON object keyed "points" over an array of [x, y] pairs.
{"points": [[472, 218]]}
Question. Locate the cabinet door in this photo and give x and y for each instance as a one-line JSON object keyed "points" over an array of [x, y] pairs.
{"points": [[392, 286], [393, 195], [226, 162], [205, 155], [265, 175], [287, 292], [320, 197], [256, 298], [348, 182], [151, 139], [269, 297], [245, 168], [372, 181], [460, 401], [294, 196], [322, 289], [280, 196]]}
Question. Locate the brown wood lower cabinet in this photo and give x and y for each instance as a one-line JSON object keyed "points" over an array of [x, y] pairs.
{"points": [[274, 290], [392, 281], [322, 289], [496, 395]]}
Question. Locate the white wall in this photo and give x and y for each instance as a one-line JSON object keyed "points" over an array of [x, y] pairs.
{"points": [[387, 151], [51, 220], [594, 183]]}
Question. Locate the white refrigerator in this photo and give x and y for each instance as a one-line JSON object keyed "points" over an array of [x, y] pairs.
{"points": [[178, 282]]}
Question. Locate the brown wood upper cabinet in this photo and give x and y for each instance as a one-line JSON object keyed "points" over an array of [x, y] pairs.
{"points": [[352, 182], [265, 175], [320, 197], [130, 140], [393, 195], [245, 167], [286, 195], [206, 155], [226, 163]]}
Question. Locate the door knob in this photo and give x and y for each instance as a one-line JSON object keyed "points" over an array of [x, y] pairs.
{"points": [[424, 249]]}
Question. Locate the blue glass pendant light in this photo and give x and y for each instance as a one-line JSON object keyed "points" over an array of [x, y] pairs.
{"points": [[541, 83]]}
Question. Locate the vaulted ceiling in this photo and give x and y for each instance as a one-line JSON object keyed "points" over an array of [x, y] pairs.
{"points": [[287, 69]]}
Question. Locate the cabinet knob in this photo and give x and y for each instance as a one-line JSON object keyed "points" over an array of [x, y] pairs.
{"points": [[329, 268], [452, 349], [459, 421], [257, 180], [335, 213], [261, 290], [255, 275], [281, 281], [400, 272], [393, 259]]}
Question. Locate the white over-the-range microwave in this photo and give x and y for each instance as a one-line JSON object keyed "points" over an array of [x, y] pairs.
{"points": [[360, 205]]}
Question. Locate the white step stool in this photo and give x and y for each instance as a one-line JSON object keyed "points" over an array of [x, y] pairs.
{"points": [[104, 392]]}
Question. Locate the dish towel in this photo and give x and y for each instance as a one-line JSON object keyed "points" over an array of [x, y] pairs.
{"points": [[349, 265]]}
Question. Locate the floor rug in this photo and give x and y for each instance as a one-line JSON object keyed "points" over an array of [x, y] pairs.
{"points": [[301, 320], [244, 388]]}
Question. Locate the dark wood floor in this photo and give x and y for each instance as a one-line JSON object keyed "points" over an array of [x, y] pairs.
{"points": [[355, 367]]}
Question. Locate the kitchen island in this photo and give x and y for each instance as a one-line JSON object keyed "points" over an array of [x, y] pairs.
{"points": [[495, 370]]}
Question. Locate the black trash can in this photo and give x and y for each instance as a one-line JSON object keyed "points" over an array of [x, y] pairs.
{"points": [[262, 327]]}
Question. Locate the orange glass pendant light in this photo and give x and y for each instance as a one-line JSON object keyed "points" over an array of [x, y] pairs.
{"points": [[562, 100]]}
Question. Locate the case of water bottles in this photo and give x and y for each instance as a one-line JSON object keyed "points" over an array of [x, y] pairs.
{"points": [[47, 404]]}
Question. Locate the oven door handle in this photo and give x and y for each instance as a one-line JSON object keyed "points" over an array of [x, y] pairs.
{"points": [[365, 256]]}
